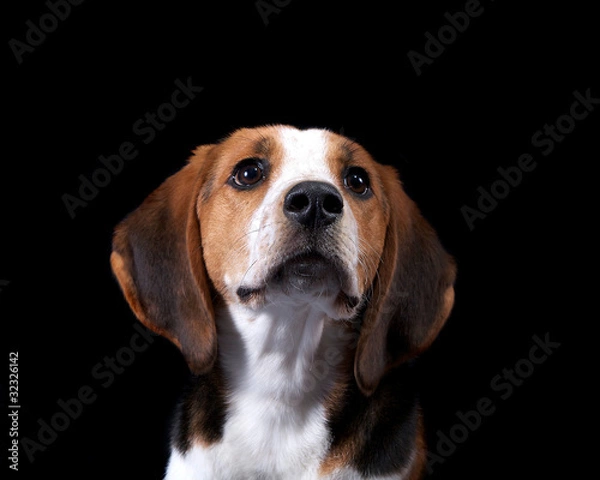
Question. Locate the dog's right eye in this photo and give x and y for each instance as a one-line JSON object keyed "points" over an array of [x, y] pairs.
{"points": [[248, 173]]}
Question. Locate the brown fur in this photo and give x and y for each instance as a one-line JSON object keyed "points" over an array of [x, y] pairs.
{"points": [[157, 259]]}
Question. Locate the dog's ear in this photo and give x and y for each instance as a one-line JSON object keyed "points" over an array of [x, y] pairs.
{"points": [[412, 294], [157, 259]]}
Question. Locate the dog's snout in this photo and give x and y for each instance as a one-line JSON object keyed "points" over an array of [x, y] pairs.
{"points": [[313, 204]]}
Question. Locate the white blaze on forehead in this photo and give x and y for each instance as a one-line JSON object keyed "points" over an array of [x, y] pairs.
{"points": [[304, 158]]}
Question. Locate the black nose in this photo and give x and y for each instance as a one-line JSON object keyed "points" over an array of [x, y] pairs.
{"points": [[313, 204]]}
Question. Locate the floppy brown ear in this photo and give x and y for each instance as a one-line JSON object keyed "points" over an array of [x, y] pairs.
{"points": [[157, 259], [412, 294]]}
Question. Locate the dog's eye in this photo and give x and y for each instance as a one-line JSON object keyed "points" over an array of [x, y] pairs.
{"points": [[247, 173], [357, 181]]}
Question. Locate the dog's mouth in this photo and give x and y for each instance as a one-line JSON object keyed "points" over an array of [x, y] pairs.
{"points": [[304, 275], [305, 271]]}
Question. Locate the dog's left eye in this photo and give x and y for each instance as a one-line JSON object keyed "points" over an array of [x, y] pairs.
{"points": [[247, 173], [357, 181]]}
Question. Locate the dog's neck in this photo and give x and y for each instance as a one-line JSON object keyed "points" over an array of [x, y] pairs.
{"points": [[288, 351]]}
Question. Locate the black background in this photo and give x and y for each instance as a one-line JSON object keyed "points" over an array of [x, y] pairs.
{"points": [[526, 269]]}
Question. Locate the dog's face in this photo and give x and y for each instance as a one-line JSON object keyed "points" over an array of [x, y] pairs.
{"points": [[286, 216], [290, 214]]}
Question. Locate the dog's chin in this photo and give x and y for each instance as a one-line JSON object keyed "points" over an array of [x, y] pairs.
{"points": [[307, 278]]}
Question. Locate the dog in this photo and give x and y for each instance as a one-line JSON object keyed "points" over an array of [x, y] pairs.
{"points": [[299, 282]]}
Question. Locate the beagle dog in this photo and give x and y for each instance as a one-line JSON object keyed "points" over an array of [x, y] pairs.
{"points": [[298, 280]]}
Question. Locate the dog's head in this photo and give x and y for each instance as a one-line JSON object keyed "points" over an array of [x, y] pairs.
{"points": [[277, 214]]}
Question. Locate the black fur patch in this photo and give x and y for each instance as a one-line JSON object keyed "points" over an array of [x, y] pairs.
{"points": [[380, 430], [201, 413]]}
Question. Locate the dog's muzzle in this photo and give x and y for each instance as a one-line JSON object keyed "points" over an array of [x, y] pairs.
{"points": [[309, 262]]}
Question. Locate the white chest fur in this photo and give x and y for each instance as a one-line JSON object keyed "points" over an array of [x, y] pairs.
{"points": [[279, 366]]}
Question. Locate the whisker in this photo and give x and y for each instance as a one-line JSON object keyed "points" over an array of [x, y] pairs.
{"points": [[256, 230], [368, 262], [247, 270]]}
